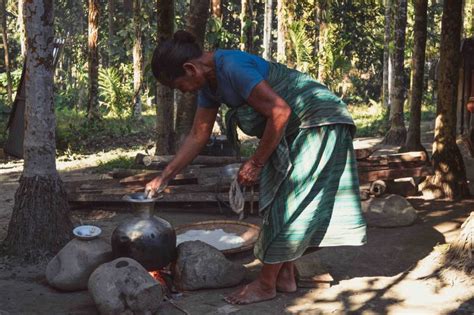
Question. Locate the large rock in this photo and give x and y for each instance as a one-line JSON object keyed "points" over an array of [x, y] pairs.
{"points": [[123, 286], [200, 266], [70, 269], [388, 211]]}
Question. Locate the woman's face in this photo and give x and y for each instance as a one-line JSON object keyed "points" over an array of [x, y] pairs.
{"points": [[192, 80]]}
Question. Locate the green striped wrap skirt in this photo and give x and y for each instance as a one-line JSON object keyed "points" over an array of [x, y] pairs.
{"points": [[309, 189]]}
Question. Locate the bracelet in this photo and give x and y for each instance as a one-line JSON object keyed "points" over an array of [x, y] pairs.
{"points": [[256, 164]]}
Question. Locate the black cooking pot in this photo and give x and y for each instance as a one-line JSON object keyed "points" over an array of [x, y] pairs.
{"points": [[148, 239]]}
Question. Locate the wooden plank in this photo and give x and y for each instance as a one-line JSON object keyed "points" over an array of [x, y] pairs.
{"points": [[370, 176], [119, 173], [160, 161], [364, 153], [209, 188], [400, 157], [178, 197]]}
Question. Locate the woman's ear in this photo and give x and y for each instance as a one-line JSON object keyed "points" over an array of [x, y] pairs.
{"points": [[190, 69]]}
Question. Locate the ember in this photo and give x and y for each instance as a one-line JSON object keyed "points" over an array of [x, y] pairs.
{"points": [[156, 274]]}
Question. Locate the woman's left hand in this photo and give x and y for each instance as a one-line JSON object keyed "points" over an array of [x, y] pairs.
{"points": [[249, 173]]}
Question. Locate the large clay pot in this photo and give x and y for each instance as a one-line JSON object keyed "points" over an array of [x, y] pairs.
{"points": [[146, 238]]}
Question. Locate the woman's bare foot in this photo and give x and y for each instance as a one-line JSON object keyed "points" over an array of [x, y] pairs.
{"points": [[251, 293], [286, 278]]}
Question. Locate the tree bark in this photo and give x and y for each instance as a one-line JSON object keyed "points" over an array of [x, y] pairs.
{"points": [[40, 222], [244, 16], [323, 32], [137, 60], [267, 30], [93, 59], [216, 8], [164, 95], [196, 25], [3, 23], [111, 22], [387, 53], [413, 141], [449, 180], [21, 27], [397, 133], [282, 31]]}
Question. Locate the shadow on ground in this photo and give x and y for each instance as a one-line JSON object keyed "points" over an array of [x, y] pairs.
{"points": [[384, 276]]}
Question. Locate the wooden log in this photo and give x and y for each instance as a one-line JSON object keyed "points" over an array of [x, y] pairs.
{"points": [[160, 161]]}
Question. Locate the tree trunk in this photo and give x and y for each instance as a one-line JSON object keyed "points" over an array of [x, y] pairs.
{"points": [[449, 180], [164, 95], [397, 133], [282, 31], [216, 8], [93, 59], [40, 222], [127, 7], [21, 27], [3, 22], [111, 22], [244, 16], [387, 53], [137, 60], [267, 30], [196, 25], [413, 142], [251, 29], [323, 33]]}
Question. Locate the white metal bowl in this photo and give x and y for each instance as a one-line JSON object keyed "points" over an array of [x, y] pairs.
{"points": [[87, 232]]}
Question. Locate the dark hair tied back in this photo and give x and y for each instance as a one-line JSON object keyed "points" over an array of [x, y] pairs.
{"points": [[170, 56]]}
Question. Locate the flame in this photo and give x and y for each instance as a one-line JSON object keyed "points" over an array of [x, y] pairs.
{"points": [[156, 274]]}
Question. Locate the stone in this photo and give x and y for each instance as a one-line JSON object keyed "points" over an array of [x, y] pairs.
{"points": [[202, 266], [388, 211], [70, 269], [123, 286]]}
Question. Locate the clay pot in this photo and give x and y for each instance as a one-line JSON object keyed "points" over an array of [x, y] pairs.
{"points": [[146, 238]]}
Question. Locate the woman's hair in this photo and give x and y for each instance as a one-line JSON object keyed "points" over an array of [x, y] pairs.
{"points": [[170, 56]]}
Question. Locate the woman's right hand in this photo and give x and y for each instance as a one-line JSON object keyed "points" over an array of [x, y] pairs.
{"points": [[152, 187]]}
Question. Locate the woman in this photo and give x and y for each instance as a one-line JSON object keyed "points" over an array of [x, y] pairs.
{"points": [[305, 163]]}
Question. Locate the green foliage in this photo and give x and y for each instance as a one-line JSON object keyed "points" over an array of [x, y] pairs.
{"points": [[15, 75], [370, 119], [76, 134], [217, 36], [301, 47], [74, 94], [116, 90], [123, 162]]}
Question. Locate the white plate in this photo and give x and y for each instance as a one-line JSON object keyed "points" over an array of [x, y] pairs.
{"points": [[86, 232]]}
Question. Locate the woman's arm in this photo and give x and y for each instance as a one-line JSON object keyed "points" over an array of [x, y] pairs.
{"points": [[202, 127], [268, 103]]}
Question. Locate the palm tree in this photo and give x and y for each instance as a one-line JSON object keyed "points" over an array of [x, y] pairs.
{"points": [[397, 133], [449, 180], [40, 222], [413, 141], [164, 95], [93, 59]]}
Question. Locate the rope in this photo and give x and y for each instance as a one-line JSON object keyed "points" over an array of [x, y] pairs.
{"points": [[236, 198]]}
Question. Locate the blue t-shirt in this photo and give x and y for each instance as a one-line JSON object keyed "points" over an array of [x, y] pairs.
{"points": [[237, 73]]}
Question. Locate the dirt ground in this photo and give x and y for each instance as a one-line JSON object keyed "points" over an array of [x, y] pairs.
{"points": [[395, 273]]}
